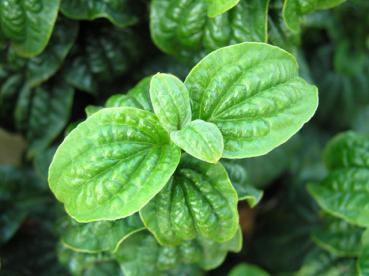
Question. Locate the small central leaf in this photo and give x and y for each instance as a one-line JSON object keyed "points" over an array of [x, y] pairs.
{"points": [[200, 139], [171, 101]]}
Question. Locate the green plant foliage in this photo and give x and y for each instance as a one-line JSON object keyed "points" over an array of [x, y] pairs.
{"points": [[363, 261], [171, 101], [217, 7], [129, 148], [142, 247], [28, 24], [247, 269], [95, 237], [173, 215], [338, 237], [343, 193], [120, 13], [248, 104], [183, 28]]}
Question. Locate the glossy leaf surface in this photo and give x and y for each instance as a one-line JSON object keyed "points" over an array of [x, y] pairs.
{"points": [[199, 201], [200, 139], [253, 93], [142, 248], [99, 236], [247, 269], [28, 24], [183, 28], [171, 101], [112, 164], [338, 237], [217, 7], [119, 12]]}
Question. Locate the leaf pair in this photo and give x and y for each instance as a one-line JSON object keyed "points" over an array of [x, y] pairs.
{"points": [[171, 103]]}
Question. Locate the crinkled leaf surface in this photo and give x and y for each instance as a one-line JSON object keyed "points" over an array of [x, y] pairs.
{"points": [[242, 183], [120, 12], [28, 24], [253, 93], [247, 269], [217, 7], [338, 237], [344, 192], [363, 261], [171, 101], [102, 55], [293, 10], [142, 248], [320, 262], [112, 164], [199, 201], [200, 139], [98, 236], [42, 113], [183, 28], [138, 96]]}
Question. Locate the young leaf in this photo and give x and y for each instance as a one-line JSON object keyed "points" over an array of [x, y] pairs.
{"points": [[142, 248], [98, 236], [199, 201], [120, 12], [338, 237], [170, 100], [253, 93], [138, 96], [247, 269], [183, 28], [112, 164], [28, 24], [200, 139], [363, 261], [217, 7]]}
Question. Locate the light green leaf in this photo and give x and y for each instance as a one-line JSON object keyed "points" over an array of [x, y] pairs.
{"points": [[183, 28], [142, 248], [253, 93], [28, 24], [363, 261], [199, 201], [92, 109], [320, 262], [242, 183], [217, 7], [41, 113], [338, 237], [121, 13], [200, 139], [247, 270], [347, 150], [170, 100], [294, 10], [138, 96], [112, 164], [98, 236]]}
